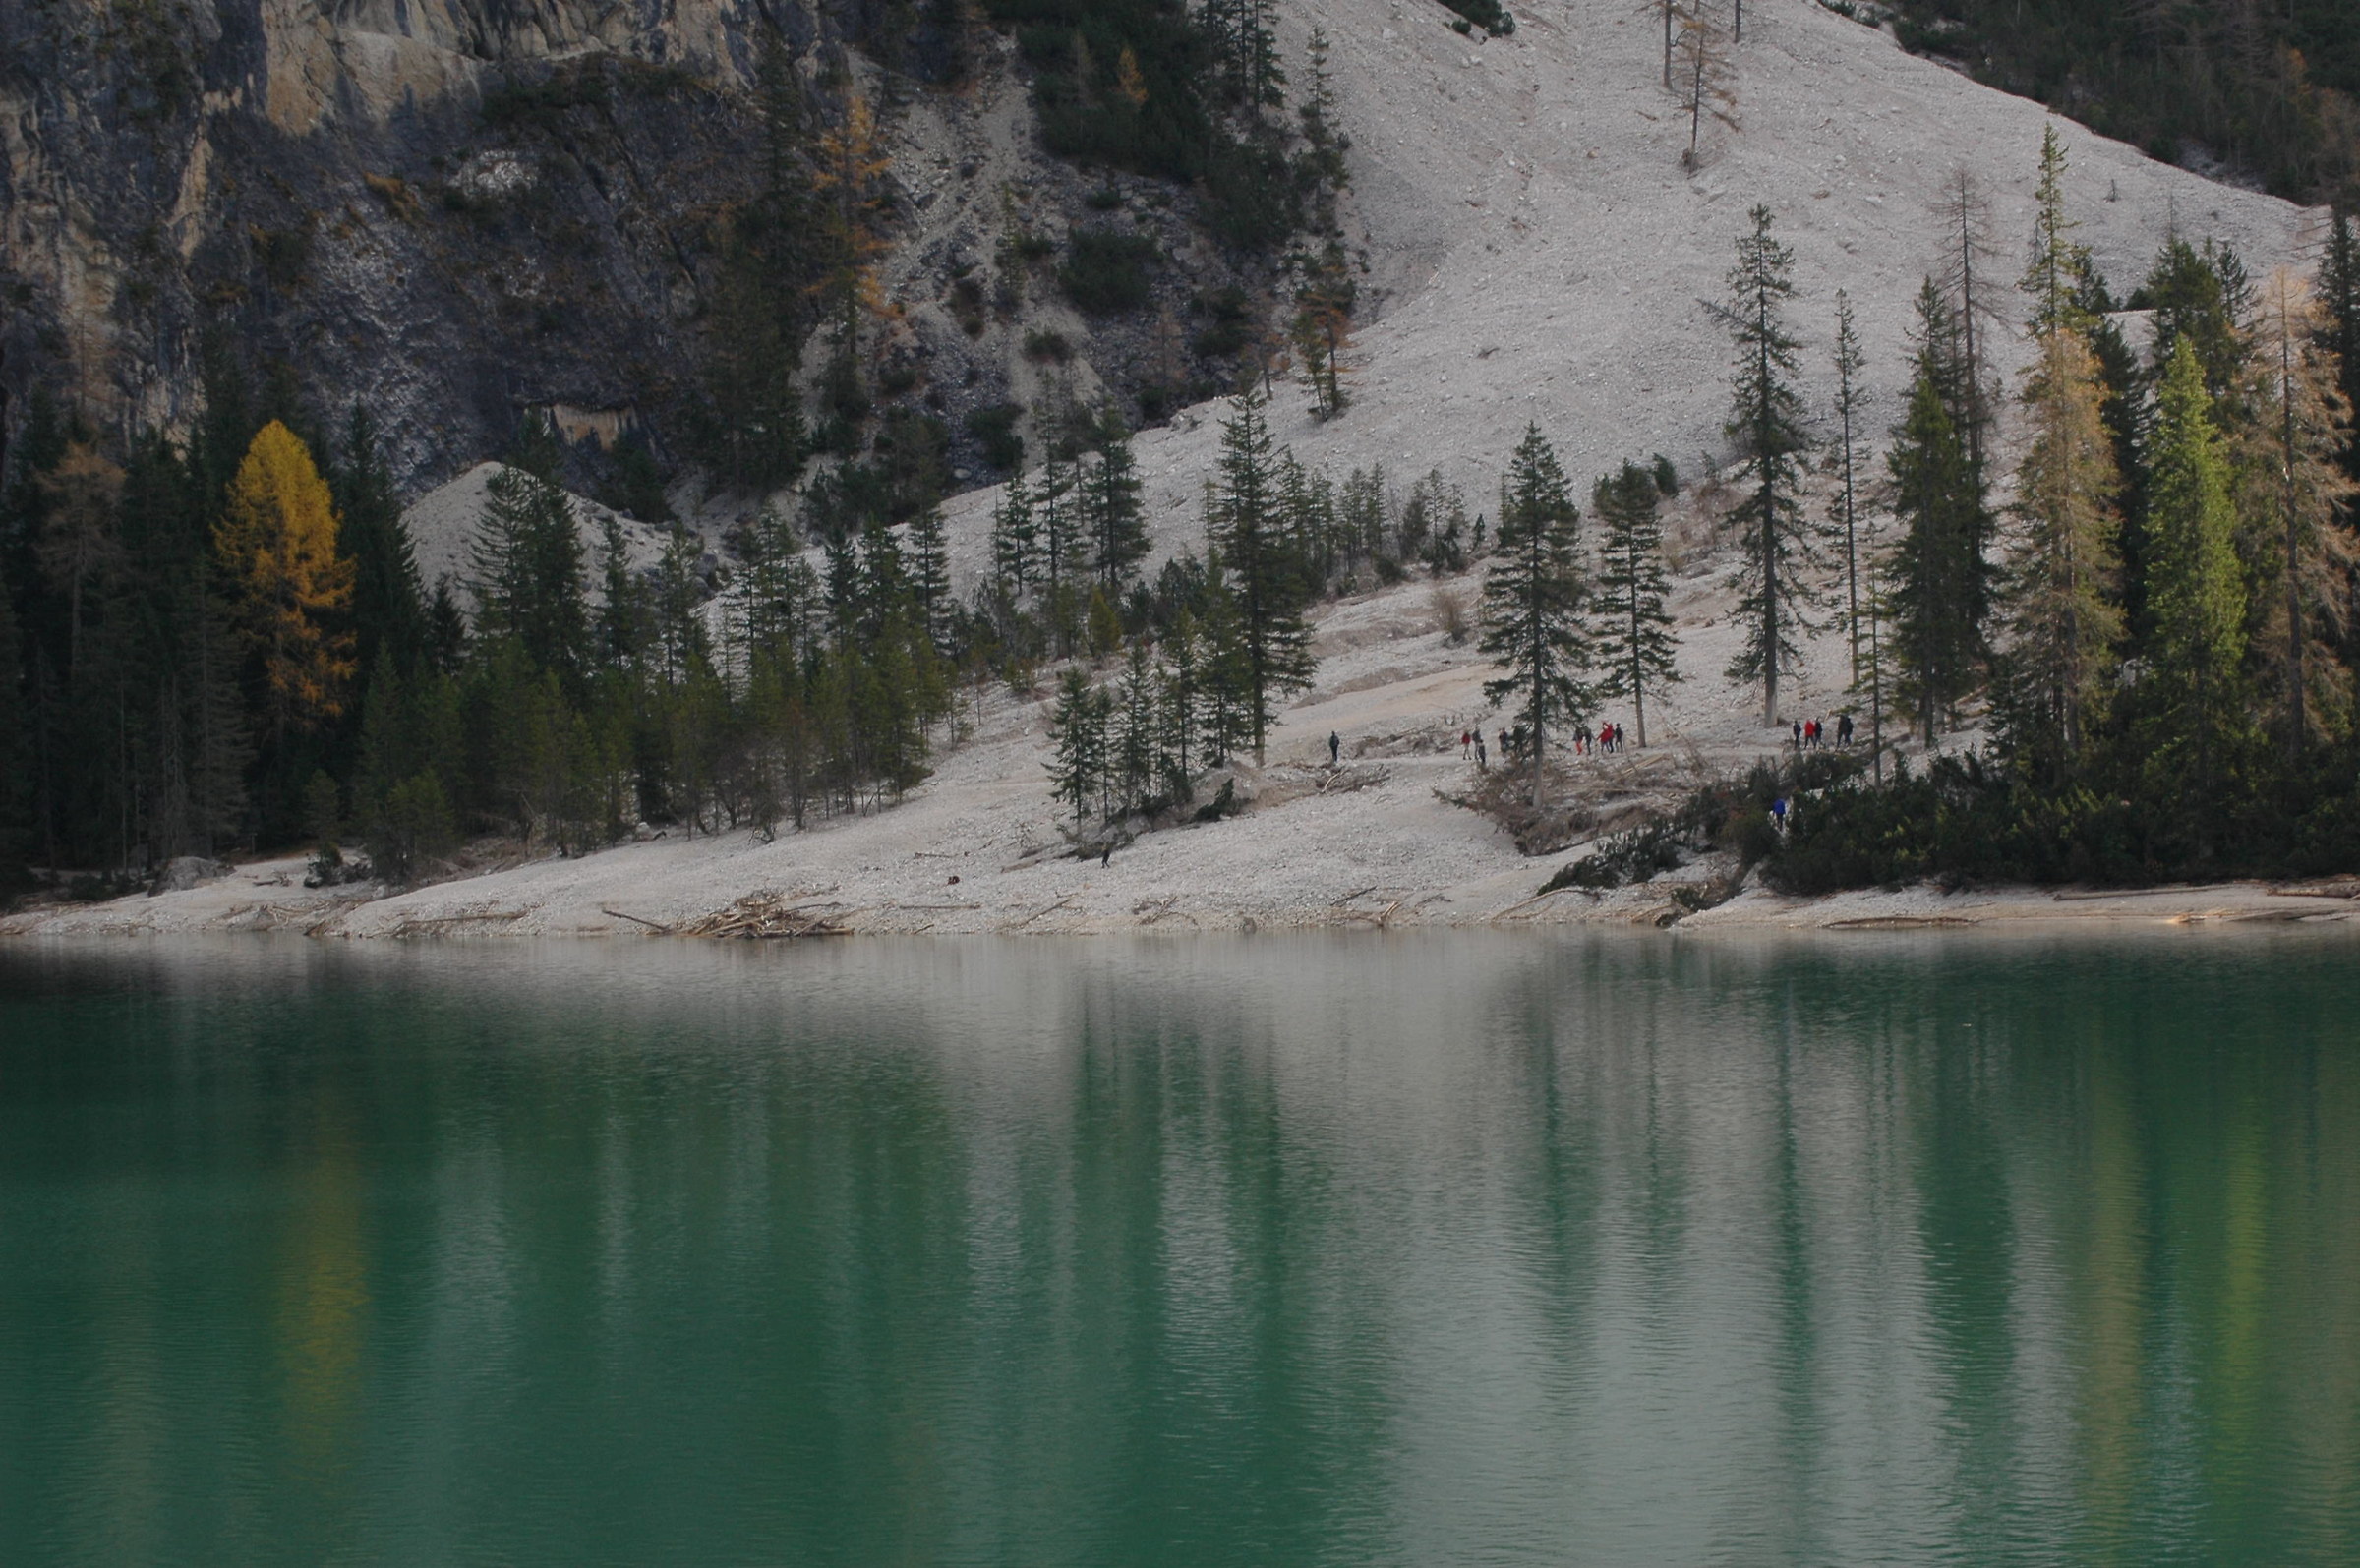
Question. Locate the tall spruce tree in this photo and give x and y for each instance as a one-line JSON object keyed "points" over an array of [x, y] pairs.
{"points": [[2303, 576], [1766, 423], [388, 597], [1852, 398], [2056, 278], [15, 753], [2197, 706], [930, 575], [1015, 539], [2062, 620], [1113, 519], [1934, 573], [1532, 601], [2339, 296], [1078, 743], [1261, 569], [1637, 652], [527, 560]]}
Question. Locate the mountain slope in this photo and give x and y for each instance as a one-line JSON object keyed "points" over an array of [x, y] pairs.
{"points": [[1538, 253]]}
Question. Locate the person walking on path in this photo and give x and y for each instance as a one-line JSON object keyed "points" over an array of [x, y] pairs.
{"points": [[1480, 761], [1798, 738], [1466, 745], [1844, 730], [1335, 747]]}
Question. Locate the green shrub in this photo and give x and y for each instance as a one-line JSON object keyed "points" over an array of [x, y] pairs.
{"points": [[996, 438], [1046, 344], [1106, 271]]}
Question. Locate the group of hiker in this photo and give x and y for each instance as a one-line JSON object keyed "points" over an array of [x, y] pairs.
{"points": [[1810, 734], [1587, 742]]}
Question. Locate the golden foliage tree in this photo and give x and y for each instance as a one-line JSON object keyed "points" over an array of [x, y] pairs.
{"points": [[2062, 620], [850, 166], [277, 542]]}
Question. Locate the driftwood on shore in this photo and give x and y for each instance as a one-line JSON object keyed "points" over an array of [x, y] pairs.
{"points": [[768, 916]]}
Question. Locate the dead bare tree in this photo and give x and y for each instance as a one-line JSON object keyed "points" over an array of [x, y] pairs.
{"points": [[1704, 74]]}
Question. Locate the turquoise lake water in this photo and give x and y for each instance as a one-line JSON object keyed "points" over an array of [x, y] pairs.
{"points": [[1426, 1250]]}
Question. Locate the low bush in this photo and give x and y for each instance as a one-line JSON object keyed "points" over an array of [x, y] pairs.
{"points": [[1106, 271]]}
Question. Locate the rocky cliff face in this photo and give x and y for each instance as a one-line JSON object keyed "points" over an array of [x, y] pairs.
{"points": [[455, 211]]}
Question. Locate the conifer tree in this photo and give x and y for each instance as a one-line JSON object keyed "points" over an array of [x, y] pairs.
{"points": [[1637, 652], [2203, 296], [2057, 278], [1078, 739], [1116, 525], [2339, 296], [1935, 575], [1177, 704], [1275, 642], [1967, 288], [931, 574], [1053, 509], [388, 599], [1015, 539], [1226, 684], [620, 631], [527, 559], [2197, 708], [77, 548], [1134, 743], [16, 761], [1851, 397], [849, 174], [2305, 492], [277, 544], [2061, 617], [1532, 603], [1766, 423]]}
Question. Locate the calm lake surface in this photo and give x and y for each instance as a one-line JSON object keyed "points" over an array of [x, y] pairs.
{"points": [[1432, 1250]]}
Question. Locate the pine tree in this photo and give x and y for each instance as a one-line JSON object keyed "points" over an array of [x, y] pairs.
{"points": [[2197, 708], [1532, 603], [1973, 313], [1134, 743], [1637, 652], [2059, 271], [388, 599], [1766, 423], [527, 560], [621, 632], [1015, 539], [277, 542], [1113, 519], [1077, 736], [1226, 684], [1933, 575], [2203, 296], [2061, 617], [1254, 550], [930, 575], [2305, 493], [77, 548], [2339, 295], [1053, 509], [678, 640], [1852, 398], [1176, 709], [16, 759], [849, 174]]}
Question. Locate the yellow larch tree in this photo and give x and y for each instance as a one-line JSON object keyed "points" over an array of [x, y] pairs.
{"points": [[278, 542]]}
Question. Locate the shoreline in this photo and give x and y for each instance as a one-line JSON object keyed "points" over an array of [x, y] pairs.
{"points": [[1064, 897]]}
